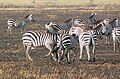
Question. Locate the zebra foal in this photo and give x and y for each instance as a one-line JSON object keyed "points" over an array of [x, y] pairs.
{"points": [[14, 23]]}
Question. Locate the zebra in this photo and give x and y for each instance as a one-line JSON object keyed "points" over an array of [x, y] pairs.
{"points": [[65, 44], [14, 23], [55, 28], [33, 39], [105, 29], [85, 40], [115, 32]]}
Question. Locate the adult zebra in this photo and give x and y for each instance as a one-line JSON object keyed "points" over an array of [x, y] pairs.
{"points": [[14, 23], [115, 32], [65, 44], [33, 39], [85, 40]]}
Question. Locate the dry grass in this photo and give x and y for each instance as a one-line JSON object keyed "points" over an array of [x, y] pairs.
{"points": [[15, 65], [59, 2]]}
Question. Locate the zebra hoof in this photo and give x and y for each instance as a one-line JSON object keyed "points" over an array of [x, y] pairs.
{"points": [[74, 60], [59, 62], [61, 58], [45, 56], [80, 59], [31, 60], [89, 60], [93, 59], [69, 62]]}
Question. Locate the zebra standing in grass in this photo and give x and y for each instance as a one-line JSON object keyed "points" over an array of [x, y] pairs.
{"points": [[65, 44], [33, 39], [85, 40], [115, 33], [14, 23]]}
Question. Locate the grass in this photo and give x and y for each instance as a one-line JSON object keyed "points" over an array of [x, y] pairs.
{"points": [[59, 2]]}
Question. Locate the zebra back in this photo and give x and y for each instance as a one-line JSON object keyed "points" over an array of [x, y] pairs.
{"points": [[31, 38]]}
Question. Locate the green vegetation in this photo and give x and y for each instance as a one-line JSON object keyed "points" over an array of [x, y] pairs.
{"points": [[59, 2]]}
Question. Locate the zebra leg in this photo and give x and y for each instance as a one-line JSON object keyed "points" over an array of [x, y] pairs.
{"points": [[62, 54], [22, 30], [48, 45], [118, 46], [114, 40], [54, 58], [27, 53], [87, 49], [8, 30], [81, 49], [114, 45], [67, 55], [93, 50], [58, 53], [47, 54], [74, 50]]}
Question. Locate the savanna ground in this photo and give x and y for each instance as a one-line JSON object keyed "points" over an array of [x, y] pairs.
{"points": [[13, 62]]}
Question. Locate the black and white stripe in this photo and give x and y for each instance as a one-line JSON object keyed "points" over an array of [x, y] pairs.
{"points": [[65, 44], [14, 23], [115, 33], [85, 40], [32, 39]]}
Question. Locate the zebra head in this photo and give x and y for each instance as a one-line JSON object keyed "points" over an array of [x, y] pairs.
{"points": [[92, 18], [78, 22], [50, 28], [116, 23], [30, 18], [106, 27]]}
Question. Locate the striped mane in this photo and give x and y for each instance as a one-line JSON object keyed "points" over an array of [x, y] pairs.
{"points": [[27, 16], [97, 22], [68, 20]]}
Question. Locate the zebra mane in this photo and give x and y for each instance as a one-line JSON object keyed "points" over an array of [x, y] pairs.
{"points": [[97, 27], [97, 22], [113, 20], [68, 20], [27, 16]]}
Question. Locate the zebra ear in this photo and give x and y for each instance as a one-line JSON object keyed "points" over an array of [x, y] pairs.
{"points": [[50, 24], [46, 26], [30, 14]]}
